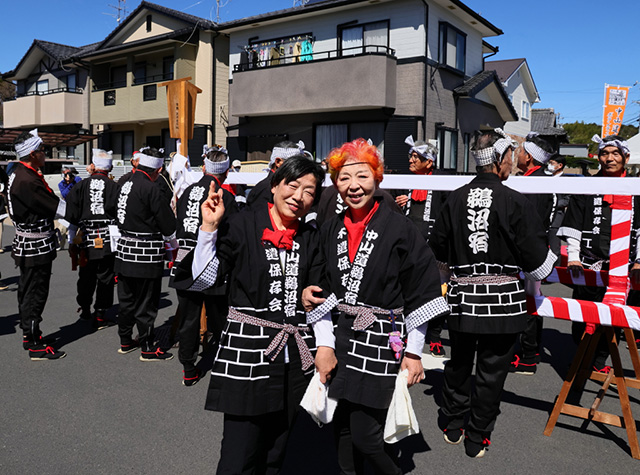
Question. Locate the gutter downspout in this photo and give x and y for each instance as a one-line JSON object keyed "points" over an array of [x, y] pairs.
{"points": [[426, 67]]}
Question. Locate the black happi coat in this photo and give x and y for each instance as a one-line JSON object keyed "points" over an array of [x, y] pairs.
{"points": [[393, 268], [261, 193], [145, 220], [32, 207], [244, 381], [545, 204], [424, 213], [91, 205], [588, 219], [488, 229], [189, 216]]}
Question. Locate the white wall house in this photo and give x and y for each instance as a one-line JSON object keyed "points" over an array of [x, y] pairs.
{"points": [[518, 82]]}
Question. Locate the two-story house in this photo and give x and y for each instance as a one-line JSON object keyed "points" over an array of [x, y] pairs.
{"points": [[155, 44], [335, 70], [51, 94], [517, 80]]}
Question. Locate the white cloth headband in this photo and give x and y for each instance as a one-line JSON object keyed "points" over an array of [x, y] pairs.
{"points": [[284, 153], [102, 159], [216, 148], [149, 161], [216, 168], [488, 155], [32, 144], [622, 145], [426, 151], [536, 152]]}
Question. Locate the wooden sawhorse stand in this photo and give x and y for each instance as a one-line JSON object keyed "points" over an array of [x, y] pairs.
{"points": [[580, 371]]}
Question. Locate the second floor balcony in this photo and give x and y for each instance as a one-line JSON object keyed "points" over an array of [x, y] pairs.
{"points": [[348, 79], [59, 106]]}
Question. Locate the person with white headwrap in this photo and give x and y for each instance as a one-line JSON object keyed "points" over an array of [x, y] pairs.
{"points": [[261, 194], [422, 207], [146, 222], [485, 236], [587, 229], [33, 206], [91, 205], [533, 156], [189, 219]]}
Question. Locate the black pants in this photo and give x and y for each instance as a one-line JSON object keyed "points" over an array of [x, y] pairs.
{"points": [[257, 444], [96, 276], [494, 354], [33, 291], [360, 436], [435, 329], [531, 337], [190, 305], [139, 300], [593, 294]]}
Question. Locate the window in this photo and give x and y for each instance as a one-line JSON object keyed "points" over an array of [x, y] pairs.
{"points": [[110, 98], [526, 110], [467, 152], [367, 38], [167, 68], [139, 73], [120, 142], [149, 92], [71, 82], [42, 86], [118, 76], [331, 136], [452, 47], [148, 23], [448, 145]]}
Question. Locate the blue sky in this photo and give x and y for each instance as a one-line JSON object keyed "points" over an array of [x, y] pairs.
{"points": [[572, 46]]}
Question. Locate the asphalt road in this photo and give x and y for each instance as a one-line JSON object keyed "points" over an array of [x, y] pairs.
{"points": [[100, 412]]}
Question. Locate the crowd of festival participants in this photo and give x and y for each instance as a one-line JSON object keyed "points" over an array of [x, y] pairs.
{"points": [[337, 290]]}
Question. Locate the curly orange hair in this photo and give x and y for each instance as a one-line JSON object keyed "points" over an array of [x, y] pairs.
{"points": [[359, 150]]}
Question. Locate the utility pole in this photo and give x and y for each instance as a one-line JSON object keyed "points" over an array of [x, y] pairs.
{"points": [[121, 10]]}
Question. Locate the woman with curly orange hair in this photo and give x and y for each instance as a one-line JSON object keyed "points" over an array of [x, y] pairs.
{"points": [[382, 286]]}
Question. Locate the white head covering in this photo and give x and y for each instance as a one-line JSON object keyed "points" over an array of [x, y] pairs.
{"points": [[426, 151], [102, 159], [284, 153], [536, 152], [488, 155], [215, 168], [622, 145], [147, 160], [32, 144]]}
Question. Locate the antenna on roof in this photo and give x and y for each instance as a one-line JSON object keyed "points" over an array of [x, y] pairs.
{"points": [[219, 4], [300, 3], [121, 10]]}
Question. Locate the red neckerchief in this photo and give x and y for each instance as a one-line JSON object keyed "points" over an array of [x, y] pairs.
{"points": [[40, 175], [531, 170], [230, 188], [355, 231], [282, 239], [609, 198], [420, 195]]}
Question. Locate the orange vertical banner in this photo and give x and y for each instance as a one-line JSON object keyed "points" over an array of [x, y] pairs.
{"points": [[615, 102]]}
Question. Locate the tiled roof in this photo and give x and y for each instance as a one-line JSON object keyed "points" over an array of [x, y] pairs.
{"points": [[477, 83], [543, 121], [504, 68], [56, 50]]}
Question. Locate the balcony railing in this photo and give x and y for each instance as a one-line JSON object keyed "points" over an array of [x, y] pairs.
{"points": [[110, 85], [73, 90], [284, 60], [155, 78]]}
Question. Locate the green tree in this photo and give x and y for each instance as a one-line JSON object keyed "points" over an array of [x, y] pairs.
{"points": [[581, 133]]}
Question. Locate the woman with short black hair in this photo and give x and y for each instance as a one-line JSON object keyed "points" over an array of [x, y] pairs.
{"points": [[264, 361]]}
